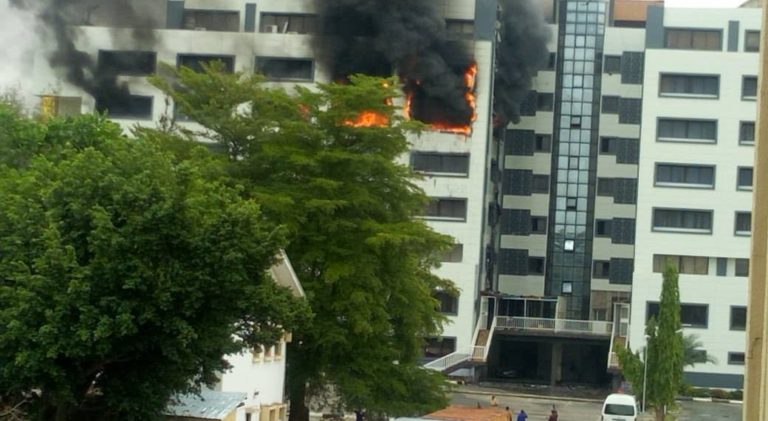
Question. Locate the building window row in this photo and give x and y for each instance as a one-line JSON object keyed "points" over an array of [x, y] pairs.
{"points": [[691, 315], [446, 303], [629, 65], [453, 255], [524, 183], [752, 41], [619, 230], [699, 265], [689, 175], [686, 130], [446, 209], [521, 222], [623, 190], [693, 39], [526, 142], [519, 262], [288, 23], [627, 151], [451, 164], [616, 271], [701, 86], [436, 347]]}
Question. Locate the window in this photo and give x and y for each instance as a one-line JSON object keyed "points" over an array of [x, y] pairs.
{"points": [[543, 143], [278, 68], [601, 269], [738, 318], [605, 187], [747, 133], [447, 303], [749, 88], [288, 23], [693, 39], [195, 62], [454, 255], [540, 183], [544, 101], [538, 225], [744, 178], [736, 358], [689, 85], [535, 265], [722, 266], [742, 267], [129, 63], [552, 62], [691, 265], [692, 175], [691, 315], [212, 20], [743, 224], [457, 28], [440, 163], [567, 287], [439, 347], [612, 64], [752, 41], [698, 221], [603, 228], [610, 105], [671, 129], [447, 209], [126, 106]]}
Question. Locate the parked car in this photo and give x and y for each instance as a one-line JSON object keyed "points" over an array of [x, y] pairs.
{"points": [[619, 407]]}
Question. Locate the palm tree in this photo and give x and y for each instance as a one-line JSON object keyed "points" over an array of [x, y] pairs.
{"points": [[692, 354]]}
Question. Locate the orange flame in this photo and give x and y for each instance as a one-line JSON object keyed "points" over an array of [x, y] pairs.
{"points": [[368, 119], [470, 76]]}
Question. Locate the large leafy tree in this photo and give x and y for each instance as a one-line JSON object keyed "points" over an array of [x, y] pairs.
{"points": [[125, 275], [349, 207], [664, 353]]}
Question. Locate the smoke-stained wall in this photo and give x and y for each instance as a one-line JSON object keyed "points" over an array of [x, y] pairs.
{"points": [[57, 21], [521, 53], [380, 37]]}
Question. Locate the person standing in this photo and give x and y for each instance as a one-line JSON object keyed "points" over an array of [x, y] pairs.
{"points": [[509, 414], [522, 416], [553, 415], [493, 401]]}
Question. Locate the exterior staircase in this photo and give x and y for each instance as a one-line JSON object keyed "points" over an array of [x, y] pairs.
{"points": [[476, 354]]}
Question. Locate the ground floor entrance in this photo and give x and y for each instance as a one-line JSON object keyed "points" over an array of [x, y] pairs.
{"points": [[548, 360]]}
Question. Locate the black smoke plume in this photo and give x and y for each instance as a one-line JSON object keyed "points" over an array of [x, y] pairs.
{"points": [[57, 19], [379, 37], [520, 54]]}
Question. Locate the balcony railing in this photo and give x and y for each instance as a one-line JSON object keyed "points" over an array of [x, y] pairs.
{"points": [[554, 326]]}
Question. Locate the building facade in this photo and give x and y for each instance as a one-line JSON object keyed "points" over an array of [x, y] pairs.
{"points": [[695, 179]]}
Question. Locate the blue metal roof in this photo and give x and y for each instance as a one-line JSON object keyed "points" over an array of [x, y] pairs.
{"points": [[209, 405]]}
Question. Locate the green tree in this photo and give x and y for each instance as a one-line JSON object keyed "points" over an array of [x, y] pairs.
{"points": [[349, 207], [692, 352], [125, 276], [663, 353]]}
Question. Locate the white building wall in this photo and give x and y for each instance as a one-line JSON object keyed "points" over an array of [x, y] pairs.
{"points": [[718, 292]]}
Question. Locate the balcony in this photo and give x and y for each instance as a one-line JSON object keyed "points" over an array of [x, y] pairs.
{"points": [[554, 327]]}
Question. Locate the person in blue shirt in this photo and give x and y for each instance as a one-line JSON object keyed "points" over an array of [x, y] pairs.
{"points": [[522, 416]]}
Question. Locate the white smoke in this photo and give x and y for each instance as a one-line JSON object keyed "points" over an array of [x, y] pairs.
{"points": [[20, 43]]}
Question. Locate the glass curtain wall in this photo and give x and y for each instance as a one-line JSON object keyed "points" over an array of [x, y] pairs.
{"points": [[574, 158]]}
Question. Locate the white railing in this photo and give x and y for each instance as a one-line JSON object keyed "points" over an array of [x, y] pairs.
{"points": [[540, 324], [490, 338], [447, 361]]}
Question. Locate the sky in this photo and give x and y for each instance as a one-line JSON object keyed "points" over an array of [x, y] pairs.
{"points": [[703, 3]]}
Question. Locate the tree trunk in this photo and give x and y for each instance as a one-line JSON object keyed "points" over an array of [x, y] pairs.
{"points": [[298, 396], [659, 410]]}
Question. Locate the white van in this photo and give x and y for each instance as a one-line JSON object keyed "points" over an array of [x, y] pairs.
{"points": [[619, 407]]}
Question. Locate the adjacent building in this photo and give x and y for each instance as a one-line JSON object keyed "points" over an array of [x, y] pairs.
{"points": [[695, 179]]}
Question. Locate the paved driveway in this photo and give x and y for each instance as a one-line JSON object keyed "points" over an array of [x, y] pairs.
{"points": [[588, 410]]}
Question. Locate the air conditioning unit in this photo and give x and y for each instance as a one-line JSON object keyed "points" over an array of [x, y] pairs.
{"points": [[272, 29]]}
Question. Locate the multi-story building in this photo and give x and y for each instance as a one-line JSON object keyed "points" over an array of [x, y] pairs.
{"points": [[553, 230], [695, 179], [279, 39]]}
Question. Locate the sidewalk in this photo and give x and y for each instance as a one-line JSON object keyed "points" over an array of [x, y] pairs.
{"points": [[578, 394]]}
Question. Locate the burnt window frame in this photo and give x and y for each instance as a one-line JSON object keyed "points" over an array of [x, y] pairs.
{"points": [[187, 14], [309, 23], [101, 66], [260, 60]]}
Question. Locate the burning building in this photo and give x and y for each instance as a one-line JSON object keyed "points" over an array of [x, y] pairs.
{"points": [[446, 55]]}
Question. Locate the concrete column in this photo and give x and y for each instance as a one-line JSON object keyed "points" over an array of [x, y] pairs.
{"points": [[756, 371], [556, 368]]}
